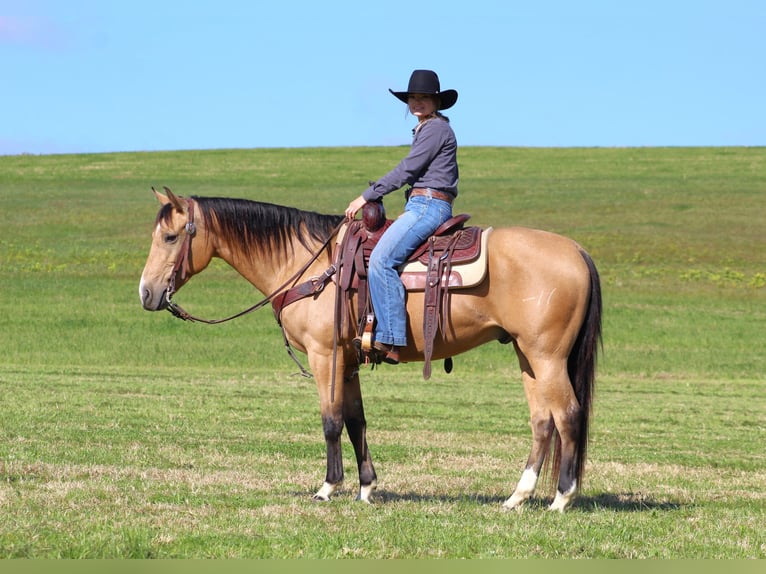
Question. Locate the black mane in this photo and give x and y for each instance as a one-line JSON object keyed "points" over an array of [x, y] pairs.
{"points": [[254, 224]]}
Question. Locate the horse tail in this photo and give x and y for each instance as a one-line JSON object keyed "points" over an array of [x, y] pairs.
{"points": [[581, 366]]}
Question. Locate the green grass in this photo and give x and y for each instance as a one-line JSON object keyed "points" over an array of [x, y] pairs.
{"points": [[131, 434]]}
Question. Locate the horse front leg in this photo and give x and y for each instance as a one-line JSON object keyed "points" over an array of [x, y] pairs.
{"points": [[331, 403], [356, 426], [333, 427]]}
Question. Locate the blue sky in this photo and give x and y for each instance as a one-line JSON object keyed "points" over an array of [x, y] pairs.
{"points": [[103, 76]]}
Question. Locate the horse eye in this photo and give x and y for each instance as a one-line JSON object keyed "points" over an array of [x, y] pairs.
{"points": [[171, 238]]}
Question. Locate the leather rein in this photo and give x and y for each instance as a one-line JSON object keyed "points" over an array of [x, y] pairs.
{"points": [[313, 286]]}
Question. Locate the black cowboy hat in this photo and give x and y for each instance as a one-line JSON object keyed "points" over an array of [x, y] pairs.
{"points": [[427, 82]]}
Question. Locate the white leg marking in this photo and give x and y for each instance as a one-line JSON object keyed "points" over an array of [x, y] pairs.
{"points": [[324, 493], [563, 500], [524, 489], [365, 492]]}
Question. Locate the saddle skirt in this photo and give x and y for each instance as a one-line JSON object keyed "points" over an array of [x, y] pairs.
{"points": [[469, 264]]}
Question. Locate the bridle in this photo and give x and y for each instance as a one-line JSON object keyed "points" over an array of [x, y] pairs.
{"points": [[181, 268], [313, 285], [182, 263]]}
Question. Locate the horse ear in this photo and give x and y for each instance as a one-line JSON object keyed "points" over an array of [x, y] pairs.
{"points": [[174, 199], [161, 198], [169, 198]]}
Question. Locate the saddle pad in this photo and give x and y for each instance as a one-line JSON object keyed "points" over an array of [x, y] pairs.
{"points": [[467, 274]]}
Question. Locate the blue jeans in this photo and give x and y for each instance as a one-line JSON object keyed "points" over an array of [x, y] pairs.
{"points": [[422, 215]]}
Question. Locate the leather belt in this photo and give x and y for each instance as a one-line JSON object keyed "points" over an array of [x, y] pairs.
{"points": [[428, 192]]}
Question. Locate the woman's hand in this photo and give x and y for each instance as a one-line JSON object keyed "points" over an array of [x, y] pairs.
{"points": [[355, 206]]}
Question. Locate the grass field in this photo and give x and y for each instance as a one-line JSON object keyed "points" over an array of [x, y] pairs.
{"points": [[133, 435]]}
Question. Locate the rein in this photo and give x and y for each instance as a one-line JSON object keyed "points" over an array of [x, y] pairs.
{"points": [[182, 267]]}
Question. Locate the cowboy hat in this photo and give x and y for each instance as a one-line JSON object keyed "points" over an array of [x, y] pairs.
{"points": [[427, 82]]}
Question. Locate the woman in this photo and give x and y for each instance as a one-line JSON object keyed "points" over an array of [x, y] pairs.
{"points": [[432, 172]]}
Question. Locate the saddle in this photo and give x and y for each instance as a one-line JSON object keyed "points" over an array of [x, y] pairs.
{"points": [[453, 257]]}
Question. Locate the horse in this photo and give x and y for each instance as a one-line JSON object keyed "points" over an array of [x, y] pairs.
{"points": [[541, 292]]}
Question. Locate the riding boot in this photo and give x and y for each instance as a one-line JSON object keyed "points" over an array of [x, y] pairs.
{"points": [[388, 353]]}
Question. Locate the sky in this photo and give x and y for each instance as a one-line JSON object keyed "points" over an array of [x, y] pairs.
{"points": [[79, 76]]}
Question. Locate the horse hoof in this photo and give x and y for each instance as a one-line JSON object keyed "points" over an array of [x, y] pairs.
{"points": [[559, 505], [563, 500], [515, 502], [365, 492], [513, 507], [324, 493]]}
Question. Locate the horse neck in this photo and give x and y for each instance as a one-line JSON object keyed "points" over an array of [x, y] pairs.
{"points": [[267, 271]]}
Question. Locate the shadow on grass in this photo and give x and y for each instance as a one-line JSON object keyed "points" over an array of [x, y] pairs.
{"points": [[386, 496], [623, 502], [617, 502]]}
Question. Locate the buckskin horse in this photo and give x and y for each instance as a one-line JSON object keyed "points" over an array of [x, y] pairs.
{"points": [[541, 292]]}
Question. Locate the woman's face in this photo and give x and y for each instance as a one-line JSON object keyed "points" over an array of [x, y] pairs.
{"points": [[421, 106]]}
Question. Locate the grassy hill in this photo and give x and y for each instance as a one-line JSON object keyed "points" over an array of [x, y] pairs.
{"points": [[129, 433]]}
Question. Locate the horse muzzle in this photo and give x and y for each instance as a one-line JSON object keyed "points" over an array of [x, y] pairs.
{"points": [[152, 300]]}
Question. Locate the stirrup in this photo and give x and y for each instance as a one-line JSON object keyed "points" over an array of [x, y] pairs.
{"points": [[371, 356], [366, 341]]}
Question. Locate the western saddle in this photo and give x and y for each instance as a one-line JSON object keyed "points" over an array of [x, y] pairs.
{"points": [[429, 269]]}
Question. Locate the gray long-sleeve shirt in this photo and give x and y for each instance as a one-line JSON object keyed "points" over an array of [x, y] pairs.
{"points": [[432, 162]]}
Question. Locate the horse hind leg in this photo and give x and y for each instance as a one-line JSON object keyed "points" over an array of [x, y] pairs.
{"points": [[566, 412], [567, 455], [541, 422], [527, 484]]}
